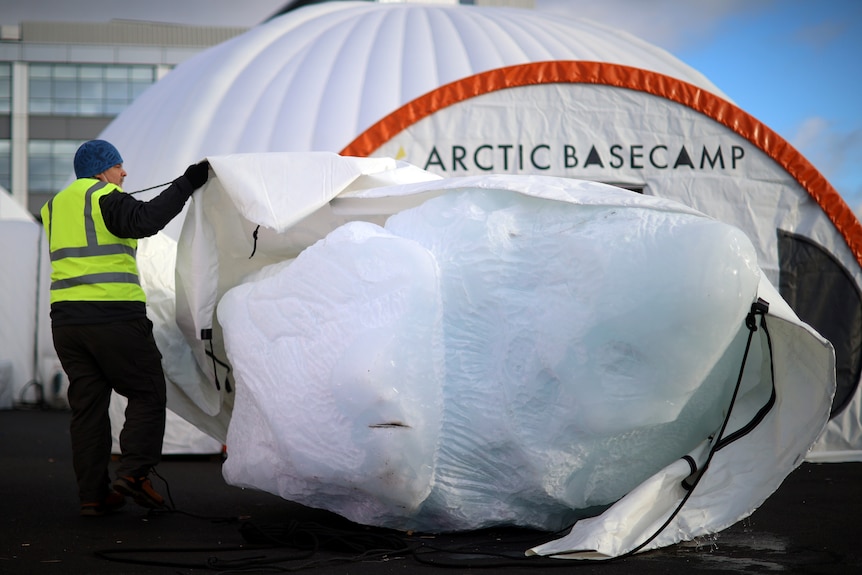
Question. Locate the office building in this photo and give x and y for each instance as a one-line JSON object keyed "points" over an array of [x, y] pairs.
{"points": [[62, 83]]}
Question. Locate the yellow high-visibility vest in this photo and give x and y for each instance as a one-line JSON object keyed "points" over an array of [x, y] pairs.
{"points": [[88, 263]]}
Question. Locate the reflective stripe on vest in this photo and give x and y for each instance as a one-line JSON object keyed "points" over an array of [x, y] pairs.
{"points": [[104, 269]]}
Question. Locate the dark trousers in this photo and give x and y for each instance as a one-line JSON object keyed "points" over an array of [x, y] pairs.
{"points": [[98, 358]]}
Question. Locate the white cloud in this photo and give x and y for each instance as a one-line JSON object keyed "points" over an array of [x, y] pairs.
{"points": [[821, 34], [810, 133], [835, 152]]}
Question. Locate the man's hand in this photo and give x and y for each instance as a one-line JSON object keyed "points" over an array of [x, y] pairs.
{"points": [[197, 174]]}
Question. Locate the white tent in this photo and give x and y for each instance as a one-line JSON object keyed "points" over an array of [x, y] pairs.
{"points": [[12, 210], [466, 90], [594, 356], [30, 372]]}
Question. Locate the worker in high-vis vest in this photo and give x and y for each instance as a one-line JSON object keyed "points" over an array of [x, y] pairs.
{"points": [[99, 322]]}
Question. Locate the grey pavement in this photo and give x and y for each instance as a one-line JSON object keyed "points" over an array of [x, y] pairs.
{"points": [[810, 525]]}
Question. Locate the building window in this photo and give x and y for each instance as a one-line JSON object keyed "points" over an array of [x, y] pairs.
{"points": [[5, 88], [86, 89], [6, 164], [50, 164]]}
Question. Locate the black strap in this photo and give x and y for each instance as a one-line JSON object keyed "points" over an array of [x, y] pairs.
{"points": [[150, 188], [254, 235], [761, 308], [207, 334]]}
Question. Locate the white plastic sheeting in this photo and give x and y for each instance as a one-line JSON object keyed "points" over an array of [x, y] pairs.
{"points": [[289, 196], [452, 369]]}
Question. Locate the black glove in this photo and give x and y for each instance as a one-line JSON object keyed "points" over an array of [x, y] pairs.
{"points": [[197, 174]]}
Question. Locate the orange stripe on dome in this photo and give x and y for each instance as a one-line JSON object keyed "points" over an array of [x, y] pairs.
{"points": [[578, 72]]}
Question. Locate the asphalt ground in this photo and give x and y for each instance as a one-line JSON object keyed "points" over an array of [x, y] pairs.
{"points": [[810, 525]]}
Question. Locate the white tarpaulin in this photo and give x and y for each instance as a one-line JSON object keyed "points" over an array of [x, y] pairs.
{"points": [[466, 363], [288, 196]]}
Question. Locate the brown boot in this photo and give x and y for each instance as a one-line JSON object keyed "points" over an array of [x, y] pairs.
{"points": [[112, 502], [141, 490]]}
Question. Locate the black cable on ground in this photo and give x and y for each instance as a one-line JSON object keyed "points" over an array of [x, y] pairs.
{"points": [[38, 403], [343, 547]]}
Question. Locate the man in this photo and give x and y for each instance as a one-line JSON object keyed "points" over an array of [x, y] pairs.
{"points": [[99, 322]]}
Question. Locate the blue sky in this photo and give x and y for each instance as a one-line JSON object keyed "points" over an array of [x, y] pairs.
{"points": [[793, 64], [797, 67]]}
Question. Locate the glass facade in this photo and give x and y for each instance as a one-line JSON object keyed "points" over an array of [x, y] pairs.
{"points": [[5, 108], [6, 164], [56, 92], [50, 164], [86, 89], [5, 88], [97, 90]]}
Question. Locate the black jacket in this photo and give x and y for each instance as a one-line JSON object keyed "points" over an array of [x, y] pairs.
{"points": [[126, 217]]}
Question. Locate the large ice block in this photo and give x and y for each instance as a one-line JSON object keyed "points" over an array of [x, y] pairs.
{"points": [[486, 358]]}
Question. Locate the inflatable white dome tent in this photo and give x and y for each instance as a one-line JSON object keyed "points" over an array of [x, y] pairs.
{"points": [[462, 90]]}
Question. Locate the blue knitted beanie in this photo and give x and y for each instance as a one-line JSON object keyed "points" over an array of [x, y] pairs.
{"points": [[94, 157]]}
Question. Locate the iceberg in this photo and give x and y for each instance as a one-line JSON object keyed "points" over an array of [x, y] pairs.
{"points": [[450, 354], [486, 358]]}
